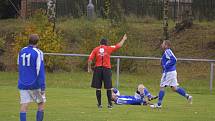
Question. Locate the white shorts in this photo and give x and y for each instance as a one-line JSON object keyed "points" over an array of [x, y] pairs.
{"points": [[27, 96], [169, 79]]}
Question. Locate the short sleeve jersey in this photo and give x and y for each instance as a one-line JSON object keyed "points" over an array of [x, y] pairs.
{"points": [[102, 54]]}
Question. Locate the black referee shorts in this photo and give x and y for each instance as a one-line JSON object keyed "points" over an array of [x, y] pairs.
{"points": [[102, 74]]}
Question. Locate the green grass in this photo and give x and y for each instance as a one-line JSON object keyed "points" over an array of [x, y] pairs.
{"points": [[70, 98], [194, 82], [11, 26], [68, 104]]}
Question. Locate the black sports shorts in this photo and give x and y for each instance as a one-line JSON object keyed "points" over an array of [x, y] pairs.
{"points": [[102, 74]]}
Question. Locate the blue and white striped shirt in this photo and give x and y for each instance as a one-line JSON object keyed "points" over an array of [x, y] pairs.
{"points": [[31, 69], [168, 61]]}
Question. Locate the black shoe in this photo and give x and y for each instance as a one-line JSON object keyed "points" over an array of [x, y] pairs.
{"points": [[110, 106], [99, 106], [152, 98]]}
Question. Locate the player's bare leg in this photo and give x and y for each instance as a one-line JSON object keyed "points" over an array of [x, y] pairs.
{"points": [[23, 111]]}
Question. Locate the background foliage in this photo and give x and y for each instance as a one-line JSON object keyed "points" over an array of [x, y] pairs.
{"points": [[50, 41], [201, 9], [81, 36]]}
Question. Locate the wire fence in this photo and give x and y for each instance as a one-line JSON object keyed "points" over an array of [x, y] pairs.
{"points": [[197, 72], [198, 9]]}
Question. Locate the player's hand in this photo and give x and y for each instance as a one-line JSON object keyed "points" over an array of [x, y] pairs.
{"points": [[90, 70], [125, 37], [152, 98], [42, 92], [43, 95]]}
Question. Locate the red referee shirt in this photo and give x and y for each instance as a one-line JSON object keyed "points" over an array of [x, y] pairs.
{"points": [[102, 54]]}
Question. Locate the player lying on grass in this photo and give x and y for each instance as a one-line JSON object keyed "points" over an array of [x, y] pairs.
{"points": [[142, 97]]}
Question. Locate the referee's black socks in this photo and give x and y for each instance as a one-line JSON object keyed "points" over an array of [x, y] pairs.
{"points": [[109, 97], [98, 96]]}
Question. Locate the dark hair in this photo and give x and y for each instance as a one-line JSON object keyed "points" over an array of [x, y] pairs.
{"points": [[33, 39], [103, 41]]}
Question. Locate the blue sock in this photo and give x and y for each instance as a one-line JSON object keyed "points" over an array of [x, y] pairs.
{"points": [[160, 97], [40, 115], [22, 116], [181, 91]]}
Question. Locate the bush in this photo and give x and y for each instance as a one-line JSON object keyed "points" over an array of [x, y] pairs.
{"points": [[50, 41], [84, 36], [2, 42]]}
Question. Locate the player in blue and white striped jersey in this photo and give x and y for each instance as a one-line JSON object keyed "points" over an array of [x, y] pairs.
{"points": [[140, 97], [169, 75], [31, 81]]}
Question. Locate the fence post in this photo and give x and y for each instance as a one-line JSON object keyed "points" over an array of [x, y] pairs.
{"points": [[211, 77], [117, 72]]}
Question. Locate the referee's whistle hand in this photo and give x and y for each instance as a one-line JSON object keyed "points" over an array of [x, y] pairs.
{"points": [[90, 70]]}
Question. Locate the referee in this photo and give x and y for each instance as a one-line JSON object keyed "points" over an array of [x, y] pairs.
{"points": [[102, 71]]}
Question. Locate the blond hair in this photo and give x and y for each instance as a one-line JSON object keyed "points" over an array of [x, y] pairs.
{"points": [[140, 88], [168, 43]]}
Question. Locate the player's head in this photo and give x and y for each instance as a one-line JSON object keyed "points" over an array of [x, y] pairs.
{"points": [[115, 94], [166, 44], [140, 88], [104, 41], [114, 90], [33, 39]]}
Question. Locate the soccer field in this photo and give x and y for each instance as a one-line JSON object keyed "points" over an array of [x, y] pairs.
{"points": [[67, 104]]}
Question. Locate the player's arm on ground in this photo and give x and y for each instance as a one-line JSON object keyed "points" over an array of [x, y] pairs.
{"points": [[147, 93]]}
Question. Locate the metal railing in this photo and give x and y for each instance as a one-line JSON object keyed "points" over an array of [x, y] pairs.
{"points": [[145, 58]]}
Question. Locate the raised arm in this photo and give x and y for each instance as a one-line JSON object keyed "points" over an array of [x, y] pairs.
{"points": [[122, 40]]}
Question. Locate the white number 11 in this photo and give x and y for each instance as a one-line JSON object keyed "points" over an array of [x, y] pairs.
{"points": [[28, 59]]}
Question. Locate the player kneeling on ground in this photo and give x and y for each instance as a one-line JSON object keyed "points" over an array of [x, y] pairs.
{"points": [[141, 97]]}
